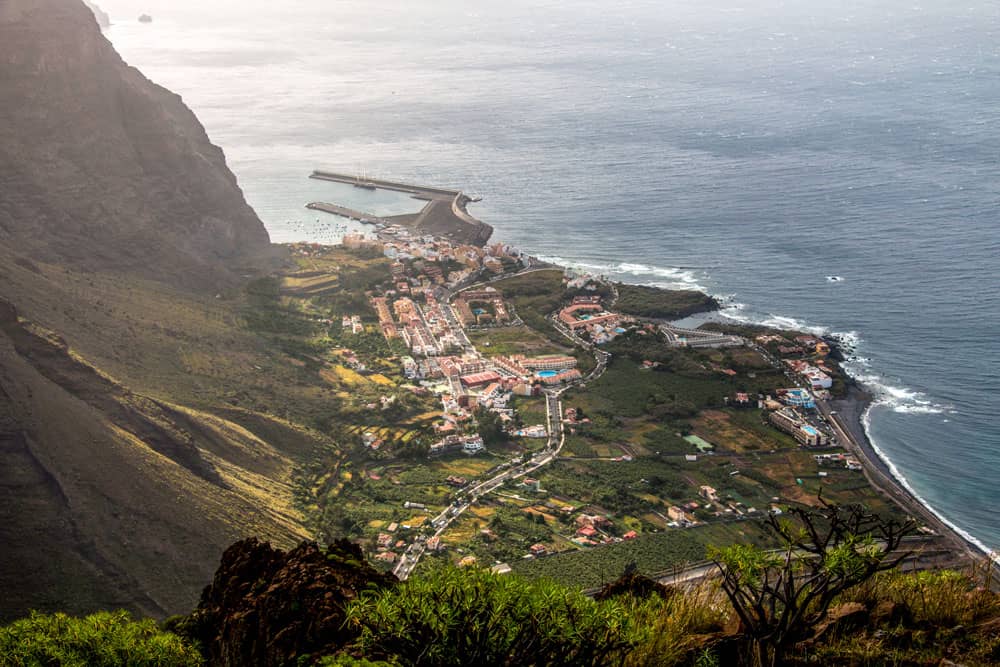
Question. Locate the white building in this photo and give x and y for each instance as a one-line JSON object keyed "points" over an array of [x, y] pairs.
{"points": [[473, 445]]}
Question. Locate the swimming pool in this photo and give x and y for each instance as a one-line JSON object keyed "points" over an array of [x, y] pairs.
{"points": [[547, 374]]}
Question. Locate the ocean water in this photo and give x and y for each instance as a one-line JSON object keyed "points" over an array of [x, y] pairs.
{"points": [[749, 149]]}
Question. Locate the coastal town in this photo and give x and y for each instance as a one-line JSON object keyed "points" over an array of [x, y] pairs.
{"points": [[438, 296], [717, 390], [551, 418]]}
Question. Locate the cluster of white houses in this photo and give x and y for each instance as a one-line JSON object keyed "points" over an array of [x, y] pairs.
{"points": [[399, 244], [475, 382], [818, 377], [467, 444]]}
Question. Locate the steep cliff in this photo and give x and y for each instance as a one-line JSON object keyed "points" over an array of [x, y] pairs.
{"points": [[123, 240], [102, 169], [102, 17]]}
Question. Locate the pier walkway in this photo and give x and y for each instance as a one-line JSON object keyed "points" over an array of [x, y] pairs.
{"points": [[419, 191], [345, 212]]}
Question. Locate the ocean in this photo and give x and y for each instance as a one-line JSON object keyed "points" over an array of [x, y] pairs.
{"points": [[835, 168]]}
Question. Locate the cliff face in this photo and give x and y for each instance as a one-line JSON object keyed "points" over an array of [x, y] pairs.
{"points": [[102, 17], [102, 169], [119, 226]]}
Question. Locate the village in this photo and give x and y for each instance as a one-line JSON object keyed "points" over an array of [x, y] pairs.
{"points": [[431, 311], [439, 296]]}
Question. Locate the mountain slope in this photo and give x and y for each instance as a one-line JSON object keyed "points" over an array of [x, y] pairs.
{"points": [[101, 168], [137, 426], [109, 498]]}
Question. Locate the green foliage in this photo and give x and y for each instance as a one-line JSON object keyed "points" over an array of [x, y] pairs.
{"points": [[679, 629], [105, 639], [351, 661], [943, 598], [653, 553], [473, 617], [747, 561], [626, 391], [535, 296], [490, 427], [645, 301]]}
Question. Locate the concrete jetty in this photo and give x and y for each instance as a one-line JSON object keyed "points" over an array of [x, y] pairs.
{"points": [[350, 213], [445, 213], [419, 191]]}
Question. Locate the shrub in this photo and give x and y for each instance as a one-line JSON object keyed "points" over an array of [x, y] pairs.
{"points": [[944, 598], [105, 639], [781, 596], [462, 617], [680, 628]]}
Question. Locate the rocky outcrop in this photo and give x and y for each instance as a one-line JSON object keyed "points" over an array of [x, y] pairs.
{"points": [[637, 585], [267, 607], [102, 169]]}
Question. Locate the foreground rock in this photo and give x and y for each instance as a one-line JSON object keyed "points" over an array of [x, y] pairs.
{"points": [[637, 585], [266, 606]]}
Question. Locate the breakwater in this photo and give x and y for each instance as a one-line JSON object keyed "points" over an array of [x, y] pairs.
{"points": [[445, 214]]}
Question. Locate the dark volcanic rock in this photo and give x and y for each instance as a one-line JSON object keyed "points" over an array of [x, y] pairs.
{"points": [[8, 313], [266, 606], [102, 169], [635, 584]]}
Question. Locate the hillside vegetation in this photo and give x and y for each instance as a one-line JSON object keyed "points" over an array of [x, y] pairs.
{"points": [[105, 639], [645, 301], [449, 616]]}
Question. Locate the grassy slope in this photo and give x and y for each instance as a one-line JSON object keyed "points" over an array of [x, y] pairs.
{"points": [[164, 431]]}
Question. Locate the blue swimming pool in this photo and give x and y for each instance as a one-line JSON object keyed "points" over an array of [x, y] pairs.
{"points": [[547, 374]]}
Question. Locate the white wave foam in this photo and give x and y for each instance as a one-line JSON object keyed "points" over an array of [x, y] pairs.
{"points": [[847, 339], [900, 399], [677, 277], [734, 312], [905, 483]]}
